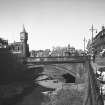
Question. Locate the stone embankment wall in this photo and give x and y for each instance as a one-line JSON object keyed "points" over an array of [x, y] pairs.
{"points": [[93, 96], [11, 67]]}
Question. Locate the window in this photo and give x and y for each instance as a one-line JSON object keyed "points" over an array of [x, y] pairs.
{"points": [[18, 48]]}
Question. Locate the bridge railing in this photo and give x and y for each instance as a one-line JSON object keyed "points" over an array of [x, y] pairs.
{"points": [[56, 58]]}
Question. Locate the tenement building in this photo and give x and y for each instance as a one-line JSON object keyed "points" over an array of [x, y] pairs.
{"points": [[21, 48], [99, 41]]}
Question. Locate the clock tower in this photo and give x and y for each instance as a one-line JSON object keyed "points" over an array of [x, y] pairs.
{"points": [[24, 39]]}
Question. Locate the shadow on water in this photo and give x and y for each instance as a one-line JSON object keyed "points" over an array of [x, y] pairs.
{"points": [[16, 98], [31, 95]]}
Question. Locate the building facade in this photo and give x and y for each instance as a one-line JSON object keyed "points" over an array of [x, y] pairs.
{"points": [[98, 43], [21, 48]]}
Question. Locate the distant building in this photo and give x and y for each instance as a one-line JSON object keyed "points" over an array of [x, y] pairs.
{"points": [[63, 51], [70, 51], [16, 47], [58, 51], [39, 53], [33, 53], [99, 41], [21, 48], [67, 51], [3, 43], [46, 53]]}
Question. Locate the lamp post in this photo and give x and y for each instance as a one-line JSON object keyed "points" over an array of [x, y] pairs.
{"points": [[92, 30]]}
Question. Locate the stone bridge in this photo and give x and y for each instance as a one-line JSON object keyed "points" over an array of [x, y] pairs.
{"points": [[78, 66], [74, 65]]}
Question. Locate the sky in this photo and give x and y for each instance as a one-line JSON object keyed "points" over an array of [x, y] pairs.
{"points": [[51, 22]]}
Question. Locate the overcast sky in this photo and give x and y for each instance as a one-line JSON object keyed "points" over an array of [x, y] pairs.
{"points": [[51, 22]]}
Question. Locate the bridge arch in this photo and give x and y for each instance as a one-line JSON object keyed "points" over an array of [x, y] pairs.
{"points": [[67, 74], [69, 78], [63, 67]]}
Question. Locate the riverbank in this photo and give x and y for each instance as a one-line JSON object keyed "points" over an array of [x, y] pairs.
{"points": [[70, 94], [12, 92]]}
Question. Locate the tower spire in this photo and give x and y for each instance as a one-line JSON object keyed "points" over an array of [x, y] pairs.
{"points": [[24, 38], [24, 30]]}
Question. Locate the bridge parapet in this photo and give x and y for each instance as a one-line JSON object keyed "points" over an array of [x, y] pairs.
{"points": [[57, 59]]}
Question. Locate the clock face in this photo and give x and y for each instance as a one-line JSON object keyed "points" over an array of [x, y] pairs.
{"points": [[22, 36]]}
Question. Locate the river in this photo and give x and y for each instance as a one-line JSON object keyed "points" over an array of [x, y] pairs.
{"points": [[46, 81], [35, 97]]}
